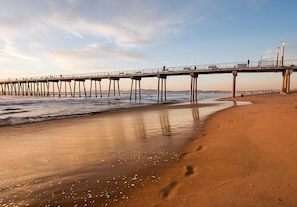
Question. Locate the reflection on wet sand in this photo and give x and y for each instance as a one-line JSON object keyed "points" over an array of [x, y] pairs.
{"points": [[140, 130], [195, 113], [92, 161], [165, 124]]}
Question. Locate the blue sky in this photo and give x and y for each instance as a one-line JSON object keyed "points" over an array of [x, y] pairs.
{"points": [[39, 38]]}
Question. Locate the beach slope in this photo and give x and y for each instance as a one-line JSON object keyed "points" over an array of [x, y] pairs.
{"points": [[243, 156]]}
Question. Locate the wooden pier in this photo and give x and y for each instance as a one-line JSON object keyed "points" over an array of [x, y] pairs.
{"points": [[75, 85]]}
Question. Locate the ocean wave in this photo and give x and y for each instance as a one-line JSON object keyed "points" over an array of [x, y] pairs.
{"points": [[12, 121], [13, 112], [11, 109]]}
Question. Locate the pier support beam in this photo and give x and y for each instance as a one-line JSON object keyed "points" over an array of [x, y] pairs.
{"points": [[234, 73], [41, 88], [83, 82], [65, 87], [135, 90], [6, 89], [47, 88], [286, 81], [2, 89], [79, 88], [13, 88], [28, 89], [23, 86], [100, 88], [37, 88], [114, 87], [95, 83], [59, 86], [91, 88], [162, 87], [53, 87], [194, 88]]}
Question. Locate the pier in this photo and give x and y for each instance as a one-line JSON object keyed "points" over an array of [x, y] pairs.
{"points": [[75, 85]]}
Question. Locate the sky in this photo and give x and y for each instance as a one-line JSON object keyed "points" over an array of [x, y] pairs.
{"points": [[52, 37]]}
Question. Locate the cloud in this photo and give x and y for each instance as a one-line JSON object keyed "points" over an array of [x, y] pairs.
{"points": [[95, 51], [20, 19], [127, 23], [10, 51], [98, 32], [91, 57], [256, 4]]}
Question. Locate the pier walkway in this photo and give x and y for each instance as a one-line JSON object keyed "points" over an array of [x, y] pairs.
{"points": [[74, 85]]}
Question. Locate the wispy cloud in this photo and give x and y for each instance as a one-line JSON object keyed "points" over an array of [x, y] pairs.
{"points": [[255, 4], [106, 28], [93, 56], [10, 51], [131, 24]]}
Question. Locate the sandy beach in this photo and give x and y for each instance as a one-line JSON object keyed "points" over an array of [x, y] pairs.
{"points": [[96, 160], [243, 156], [157, 156]]}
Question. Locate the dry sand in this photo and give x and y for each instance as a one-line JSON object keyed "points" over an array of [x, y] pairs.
{"points": [[243, 156]]}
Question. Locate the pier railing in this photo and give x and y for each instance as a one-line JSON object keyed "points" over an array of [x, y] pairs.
{"points": [[155, 71]]}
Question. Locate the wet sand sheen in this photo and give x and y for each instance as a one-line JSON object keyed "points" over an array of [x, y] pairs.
{"points": [[243, 156], [97, 160]]}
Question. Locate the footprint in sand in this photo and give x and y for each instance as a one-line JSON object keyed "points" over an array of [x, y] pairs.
{"points": [[199, 148], [167, 189], [182, 155], [189, 170]]}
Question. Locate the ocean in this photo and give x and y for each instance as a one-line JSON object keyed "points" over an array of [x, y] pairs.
{"points": [[90, 152], [16, 110]]}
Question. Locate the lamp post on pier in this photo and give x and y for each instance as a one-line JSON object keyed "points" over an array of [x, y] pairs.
{"points": [[283, 53]]}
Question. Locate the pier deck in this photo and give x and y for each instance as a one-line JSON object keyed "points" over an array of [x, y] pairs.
{"points": [[46, 85]]}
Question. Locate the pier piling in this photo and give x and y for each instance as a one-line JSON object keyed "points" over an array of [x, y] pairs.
{"points": [[194, 87], [286, 81], [162, 87], [136, 79], [114, 87], [234, 73]]}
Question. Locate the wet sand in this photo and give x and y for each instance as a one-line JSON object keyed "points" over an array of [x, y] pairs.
{"points": [[95, 160], [243, 156]]}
